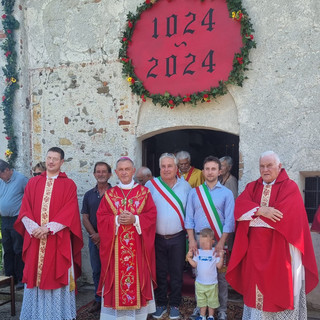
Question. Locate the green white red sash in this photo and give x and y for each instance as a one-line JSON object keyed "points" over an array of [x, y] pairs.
{"points": [[188, 175], [210, 210], [170, 197]]}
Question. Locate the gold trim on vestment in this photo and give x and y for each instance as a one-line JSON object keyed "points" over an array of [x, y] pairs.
{"points": [[45, 206]]}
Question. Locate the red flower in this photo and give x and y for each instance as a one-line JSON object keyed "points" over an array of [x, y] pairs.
{"points": [[7, 80], [7, 53], [3, 98], [133, 81], [125, 60], [8, 31], [148, 1], [3, 16], [205, 96], [240, 60], [171, 102], [8, 138], [143, 98], [249, 36], [124, 39], [240, 16], [130, 24], [187, 98]]}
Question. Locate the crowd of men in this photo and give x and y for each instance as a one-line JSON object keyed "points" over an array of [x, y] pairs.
{"points": [[139, 232]]}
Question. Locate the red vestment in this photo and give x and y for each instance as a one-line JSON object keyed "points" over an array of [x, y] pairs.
{"points": [[57, 256], [114, 248], [316, 222], [260, 257]]}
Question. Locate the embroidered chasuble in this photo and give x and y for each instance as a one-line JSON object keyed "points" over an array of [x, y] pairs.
{"points": [[127, 251], [47, 261], [260, 265]]}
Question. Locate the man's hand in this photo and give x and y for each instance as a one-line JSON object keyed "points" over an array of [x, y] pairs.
{"points": [[126, 218], [193, 247], [41, 232], [95, 238], [270, 213]]}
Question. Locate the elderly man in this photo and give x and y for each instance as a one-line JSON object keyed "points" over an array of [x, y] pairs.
{"points": [[211, 206], [190, 174], [143, 175], [49, 221], [126, 225], [90, 205], [170, 196], [226, 178], [12, 184], [272, 264]]}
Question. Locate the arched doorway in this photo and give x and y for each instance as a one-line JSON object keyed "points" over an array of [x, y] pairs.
{"points": [[198, 142]]}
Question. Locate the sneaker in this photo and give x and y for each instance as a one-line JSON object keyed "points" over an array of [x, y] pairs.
{"points": [[195, 313], [202, 318], [160, 311], [174, 313], [210, 318], [222, 315]]}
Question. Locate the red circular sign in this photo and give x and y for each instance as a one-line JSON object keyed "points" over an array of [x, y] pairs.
{"points": [[184, 46]]}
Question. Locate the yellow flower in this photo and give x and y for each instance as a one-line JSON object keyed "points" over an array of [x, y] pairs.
{"points": [[233, 15], [8, 153], [13, 80], [129, 79]]}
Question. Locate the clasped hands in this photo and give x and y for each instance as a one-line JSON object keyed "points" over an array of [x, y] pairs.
{"points": [[41, 232], [126, 218], [270, 213]]}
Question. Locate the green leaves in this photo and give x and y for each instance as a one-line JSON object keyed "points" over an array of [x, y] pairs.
{"points": [[11, 78]]}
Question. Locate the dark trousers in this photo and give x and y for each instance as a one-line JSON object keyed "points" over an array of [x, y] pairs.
{"points": [[12, 243], [170, 257], [96, 266]]}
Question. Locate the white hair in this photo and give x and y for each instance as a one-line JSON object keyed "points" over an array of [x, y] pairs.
{"points": [[270, 153], [168, 155], [183, 155]]}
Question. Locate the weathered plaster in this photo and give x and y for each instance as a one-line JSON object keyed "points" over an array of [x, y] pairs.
{"points": [[80, 101]]}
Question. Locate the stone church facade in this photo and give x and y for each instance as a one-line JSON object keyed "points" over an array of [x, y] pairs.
{"points": [[72, 93]]}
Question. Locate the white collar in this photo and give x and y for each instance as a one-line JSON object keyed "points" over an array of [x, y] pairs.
{"points": [[126, 186]]}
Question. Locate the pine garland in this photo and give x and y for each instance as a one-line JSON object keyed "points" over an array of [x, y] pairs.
{"points": [[236, 76], [10, 24]]}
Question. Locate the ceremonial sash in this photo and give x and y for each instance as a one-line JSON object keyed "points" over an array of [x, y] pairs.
{"points": [[210, 210], [170, 197], [188, 175]]}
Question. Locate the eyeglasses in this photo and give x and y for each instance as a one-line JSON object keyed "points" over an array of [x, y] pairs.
{"points": [[36, 174]]}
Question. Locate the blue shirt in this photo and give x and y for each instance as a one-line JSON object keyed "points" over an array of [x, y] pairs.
{"points": [[90, 205], [11, 193], [223, 200], [168, 221]]}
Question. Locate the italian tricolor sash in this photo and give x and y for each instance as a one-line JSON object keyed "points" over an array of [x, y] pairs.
{"points": [[210, 210], [170, 196]]}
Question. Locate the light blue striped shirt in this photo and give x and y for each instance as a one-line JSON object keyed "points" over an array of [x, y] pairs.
{"points": [[168, 221], [223, 200]]}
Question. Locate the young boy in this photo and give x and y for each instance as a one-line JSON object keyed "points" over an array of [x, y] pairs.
{"points": [[206, 262]]}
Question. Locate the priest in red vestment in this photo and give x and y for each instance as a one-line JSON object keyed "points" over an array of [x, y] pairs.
{"points": [[316, 222], [126, 221], [272, 263], [49, 222]]}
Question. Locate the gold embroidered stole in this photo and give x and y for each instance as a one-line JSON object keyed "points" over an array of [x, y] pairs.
{"points": [[44, 220], [265, 198]]}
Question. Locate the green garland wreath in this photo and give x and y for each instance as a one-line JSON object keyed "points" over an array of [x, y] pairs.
{"points": [[11, 78], [236, 76]]}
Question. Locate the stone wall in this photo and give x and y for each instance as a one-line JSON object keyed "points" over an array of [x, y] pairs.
{"points": [[73, 94]]}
